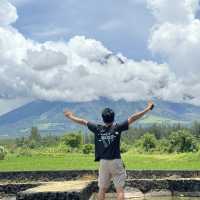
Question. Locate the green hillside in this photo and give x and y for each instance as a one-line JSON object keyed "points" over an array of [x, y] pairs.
{"points": [[49, 118]]}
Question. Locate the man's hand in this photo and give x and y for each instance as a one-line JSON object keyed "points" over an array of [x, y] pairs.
{"points": [[150, 105], [68, 113], [138, 115], [71, 116]]}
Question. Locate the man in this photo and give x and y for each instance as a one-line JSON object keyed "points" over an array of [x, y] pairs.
{"points": [[107, 148]]}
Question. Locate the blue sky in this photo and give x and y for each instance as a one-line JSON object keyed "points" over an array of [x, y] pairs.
{"points": [[81, 50], [107, 21]]}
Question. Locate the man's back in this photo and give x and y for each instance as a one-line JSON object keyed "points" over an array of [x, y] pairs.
{"points": [[107, 139]]}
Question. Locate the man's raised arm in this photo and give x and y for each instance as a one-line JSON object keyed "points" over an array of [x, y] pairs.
{"points": [[138, 115], [70, 115]]}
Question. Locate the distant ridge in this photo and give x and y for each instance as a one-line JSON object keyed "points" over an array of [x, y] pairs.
{"points": [[49, 118]]}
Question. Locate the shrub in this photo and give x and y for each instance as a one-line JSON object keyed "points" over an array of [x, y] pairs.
{"points": [[73, 140], [182, 141], [88, 148], [32, 144], [148, 142], [124, 147], [163, 145], [24, 152], [62, 148], [2, 153]]}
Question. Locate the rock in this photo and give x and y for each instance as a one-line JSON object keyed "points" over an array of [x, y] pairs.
{"points": [[130, 193], [158, 193], [133, 193], [174, 177], [186, 194]]}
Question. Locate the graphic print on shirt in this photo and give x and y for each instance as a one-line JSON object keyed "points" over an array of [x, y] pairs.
{"points": [[107, 137]]}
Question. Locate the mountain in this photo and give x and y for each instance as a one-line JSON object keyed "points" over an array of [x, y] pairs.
{"points": [[49, 118]]}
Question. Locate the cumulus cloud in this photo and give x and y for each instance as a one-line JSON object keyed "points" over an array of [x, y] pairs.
{"points": [[175, 11], [8, 13], [176, 38], [91, 71], [179, 44], [44, 59], [83, 69]]}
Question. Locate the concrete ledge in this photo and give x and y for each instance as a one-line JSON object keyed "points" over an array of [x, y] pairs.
{"points": [[77, 190], [83, 190]]}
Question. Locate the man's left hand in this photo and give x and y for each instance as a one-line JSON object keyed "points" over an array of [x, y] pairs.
{"points": [[150, 105]]}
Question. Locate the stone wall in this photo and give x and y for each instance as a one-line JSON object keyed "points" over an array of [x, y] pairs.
{"points": [[152, 174], [24, 176], [14, 188], [149, 187]]}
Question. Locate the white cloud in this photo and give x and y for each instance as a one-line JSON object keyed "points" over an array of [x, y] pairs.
{"points": [[83, 69], [46, 59], [176, 38], [180, 44], [87, 48], [8, 13], [13, 46], [19, 2], [176, 11]]}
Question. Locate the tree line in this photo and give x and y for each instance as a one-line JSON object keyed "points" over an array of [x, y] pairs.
{"points": [[157, 137]]}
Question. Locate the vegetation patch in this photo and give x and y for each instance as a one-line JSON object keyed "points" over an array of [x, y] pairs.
{"points": [[154, 147]]}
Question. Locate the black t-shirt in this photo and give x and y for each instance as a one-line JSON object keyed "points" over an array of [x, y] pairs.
{"points": [[107, 139]]}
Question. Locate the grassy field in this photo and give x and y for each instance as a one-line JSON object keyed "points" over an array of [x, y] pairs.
{"points": [[132, 160]]}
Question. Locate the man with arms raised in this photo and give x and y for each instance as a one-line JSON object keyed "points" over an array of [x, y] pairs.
{"points": [[107, 148]]}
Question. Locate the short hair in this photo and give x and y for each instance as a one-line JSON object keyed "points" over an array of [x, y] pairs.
{"points": [[108, 115]]}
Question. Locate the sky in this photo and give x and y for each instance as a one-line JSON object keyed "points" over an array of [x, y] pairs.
{"points": [[76, 50]]}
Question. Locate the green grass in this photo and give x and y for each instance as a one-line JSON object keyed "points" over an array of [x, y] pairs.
{"points": [[184, 161], [187, 161], [47, 162]]}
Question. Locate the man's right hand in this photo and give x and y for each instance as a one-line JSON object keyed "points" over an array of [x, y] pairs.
{"points": [[68, 113], [72, 117]]}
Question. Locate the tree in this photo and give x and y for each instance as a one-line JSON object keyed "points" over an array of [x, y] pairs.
{"points": [[195, 129], [50, 140], [149, 142], [182, 141], [74, 140], [20, 142], [35, 134], [2, 153], [156, 130]]}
